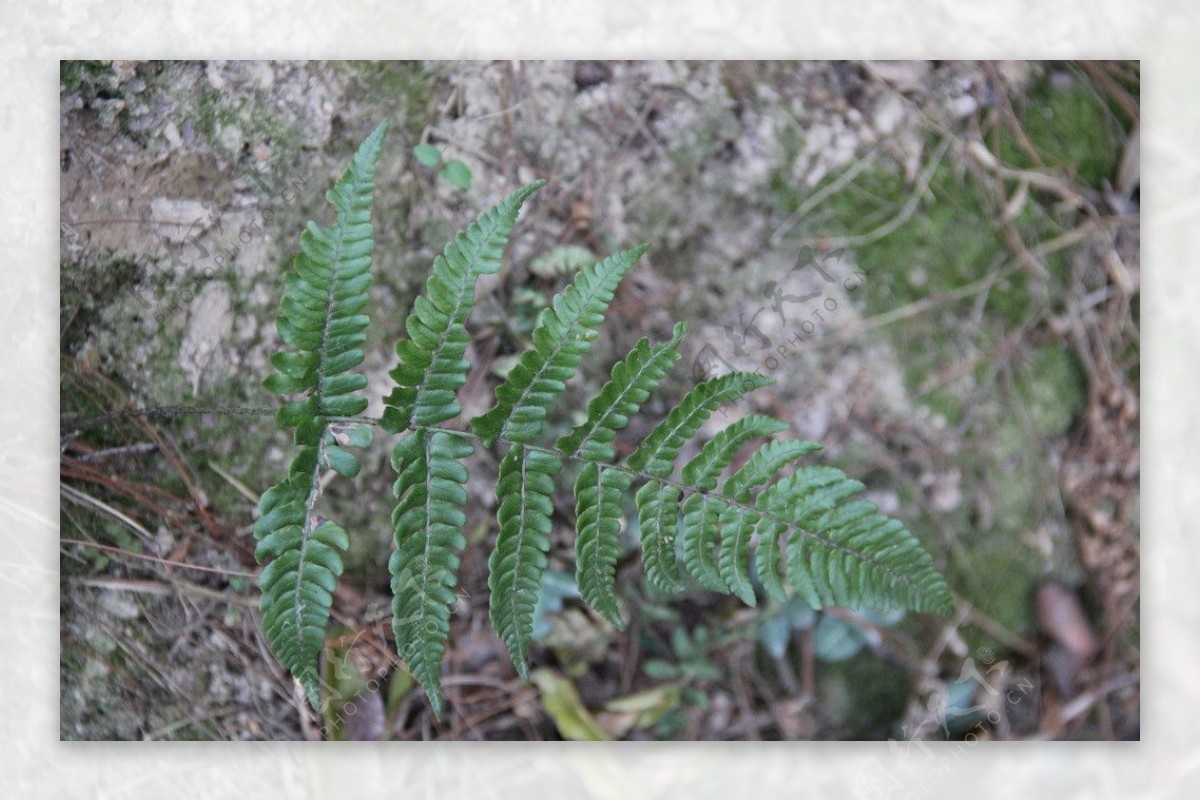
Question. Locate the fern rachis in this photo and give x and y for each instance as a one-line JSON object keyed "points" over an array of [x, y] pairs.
{"points": [[800, 533]]}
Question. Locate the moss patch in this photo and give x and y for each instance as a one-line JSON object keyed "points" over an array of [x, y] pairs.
{"points": [[1050, 390], [1070, 127], [394, 89], [76, 75], [866, 695]]}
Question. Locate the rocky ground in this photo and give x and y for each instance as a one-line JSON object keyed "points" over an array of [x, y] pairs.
{"points": [[968, 348]]}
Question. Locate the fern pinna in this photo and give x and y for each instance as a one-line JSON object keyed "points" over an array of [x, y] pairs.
{"points": [[801, 533]]}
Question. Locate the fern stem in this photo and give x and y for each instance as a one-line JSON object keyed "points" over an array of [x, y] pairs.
{"points": [[314, 493]]}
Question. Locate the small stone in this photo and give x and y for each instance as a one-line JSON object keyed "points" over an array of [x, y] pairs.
{"points": [[889, 111], [119, 605], [171, 133], [591, 73], [962, 106], [180, 220], [231, 138]]}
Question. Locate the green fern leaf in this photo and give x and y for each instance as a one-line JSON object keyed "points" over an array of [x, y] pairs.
{"points": [[598, 493], [658, 514], [303, 564], [563, 335], [701, 539], [320, 319], [431, 368], [738, 523], [428, 522], [805, 533], [849, 554], [764, 464], [768, 557], [658, 451], [702, 512], [518, 561], [737, 526], [702, 471], [633, 379]]}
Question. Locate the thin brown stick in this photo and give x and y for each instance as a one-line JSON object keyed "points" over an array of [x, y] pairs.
{"points": [[131, 555]]}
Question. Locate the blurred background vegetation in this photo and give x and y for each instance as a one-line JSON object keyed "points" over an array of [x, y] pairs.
{"points": [[966, 344]]}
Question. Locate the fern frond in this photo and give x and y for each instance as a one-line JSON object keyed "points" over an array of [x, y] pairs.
{"points": [[658, 514], [701, 511], [804, 533], [518, 561], [598, 493], [303, 556], [431, 368], [658, 451], [718, 452], [428, 522], [737, 525], [849, 554], [563, 335], [525, 485], [701, 538], [768, 557], [428, 517], [764, 464], [633, 379], [320, 319]]}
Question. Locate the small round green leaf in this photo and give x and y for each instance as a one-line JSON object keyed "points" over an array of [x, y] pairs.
{"points": [[427, 155], [457, 173]]}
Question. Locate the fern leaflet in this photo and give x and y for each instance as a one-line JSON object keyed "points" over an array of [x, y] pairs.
{"points": [[598, 493], [519, 559], [563, 335], [657, 453], [428, 517], [633, 379], [428, 522], [431, 368]]}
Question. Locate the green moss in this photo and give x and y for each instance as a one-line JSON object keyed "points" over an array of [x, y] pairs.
{"points": [[402, 86], [998, 578], [74, 75], [86, 290], [994, 564], [866, 695], [947, 243], [1050, 389], [950, 362], [1070, 126]]}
